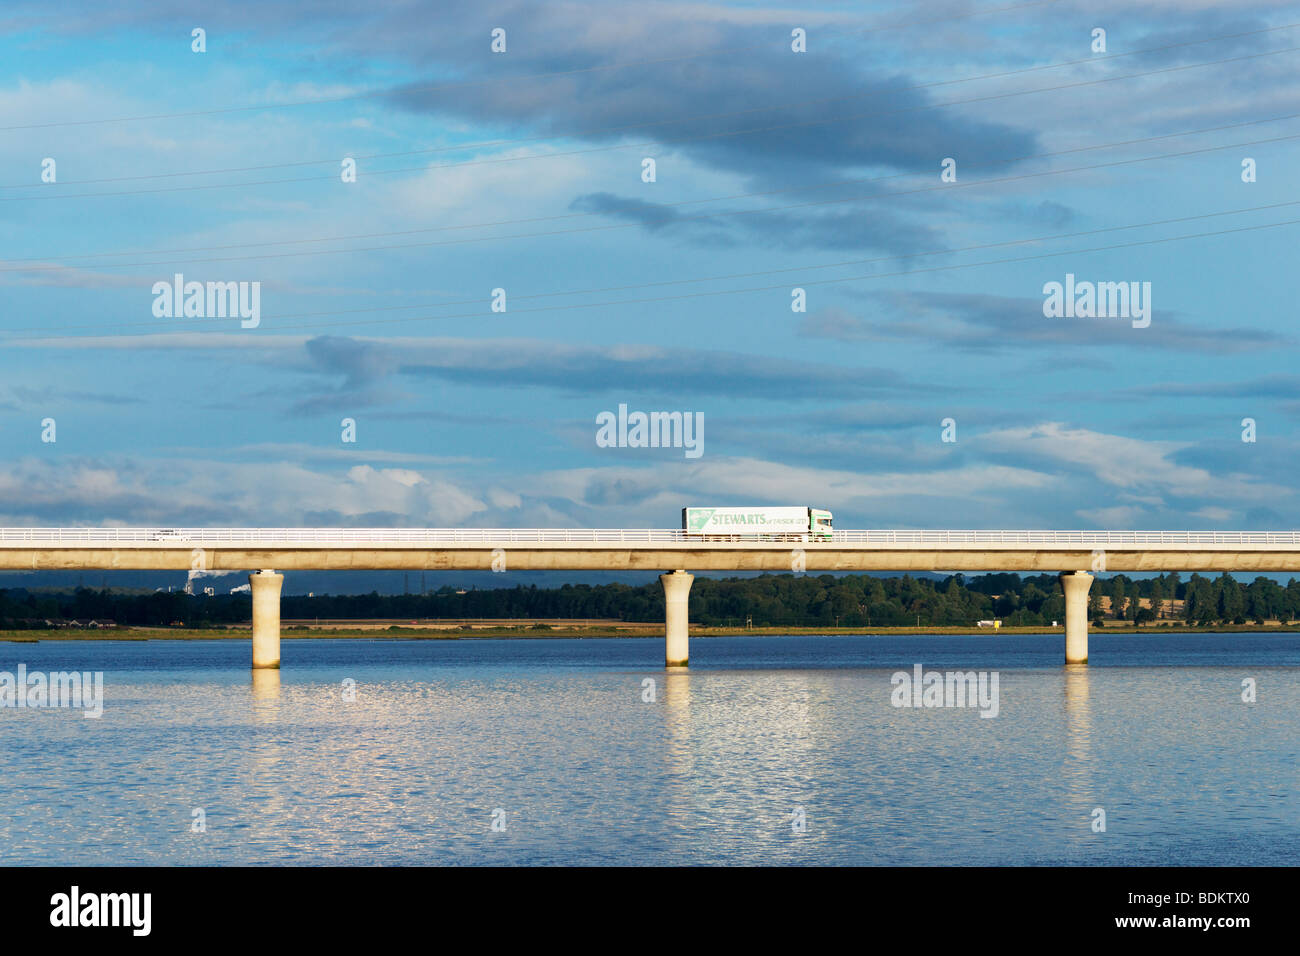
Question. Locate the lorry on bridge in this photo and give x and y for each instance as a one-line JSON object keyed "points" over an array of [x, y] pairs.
{"points": [[761, 524]]}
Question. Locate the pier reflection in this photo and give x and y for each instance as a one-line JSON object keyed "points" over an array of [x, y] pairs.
{"points": [[266, 685], [677, 721], [1077, 769]]}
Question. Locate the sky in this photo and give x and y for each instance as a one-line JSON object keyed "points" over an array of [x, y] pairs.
{"points": [[923, 385]]}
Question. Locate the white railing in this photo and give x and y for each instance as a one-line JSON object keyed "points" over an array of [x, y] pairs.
{"points": [[434, 537]]}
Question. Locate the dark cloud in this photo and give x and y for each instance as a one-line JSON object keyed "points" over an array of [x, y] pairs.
{"points": [[50, 393], [590, 369], [980, 323], [861, 228], [658, 218], [764, 112], [1266, 386], [1046, 213]]}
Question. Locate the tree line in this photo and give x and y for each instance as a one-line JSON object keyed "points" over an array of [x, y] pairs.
{"points": [[770, 600]]}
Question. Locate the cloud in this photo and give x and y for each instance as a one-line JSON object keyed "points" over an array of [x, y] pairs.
{"points": [[1127, 464], [977, 322], [363, 364], [767, 114], [50, 394], [196, 492], [61, 276], [611, 369], [1046, 475], [1266, 386], [301, 453], [865, 227]]}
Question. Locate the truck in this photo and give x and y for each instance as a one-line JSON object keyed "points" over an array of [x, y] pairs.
{"points": [[758, 523]]}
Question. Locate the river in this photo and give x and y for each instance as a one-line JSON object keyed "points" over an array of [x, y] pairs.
{"points": [[769, 750]]}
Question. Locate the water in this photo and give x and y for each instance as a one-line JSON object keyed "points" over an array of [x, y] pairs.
{"points": [[555, 733]]}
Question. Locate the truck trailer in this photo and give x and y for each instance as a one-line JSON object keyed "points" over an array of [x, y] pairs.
{"points": [[759, 524]]}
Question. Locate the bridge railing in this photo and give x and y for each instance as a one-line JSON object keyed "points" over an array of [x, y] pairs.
{"points": [[433, 537]]}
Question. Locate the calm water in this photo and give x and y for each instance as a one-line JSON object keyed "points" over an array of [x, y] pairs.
{"points": [[555, 733]]}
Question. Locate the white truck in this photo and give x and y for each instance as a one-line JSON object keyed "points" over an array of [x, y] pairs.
{"points": [[761, 524]]}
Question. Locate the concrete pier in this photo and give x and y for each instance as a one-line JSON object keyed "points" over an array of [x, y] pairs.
{"points": [[266, 617], [1076, 585], [677, 592]]}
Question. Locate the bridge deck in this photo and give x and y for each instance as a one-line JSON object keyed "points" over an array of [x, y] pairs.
{"points": [[351, 538], [519, 549]]}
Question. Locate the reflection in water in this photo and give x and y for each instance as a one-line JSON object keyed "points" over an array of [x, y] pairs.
{"points": [[1077, 772], [677, 710], [266, 696], [266, 684], [260, 755], [679, 755]]}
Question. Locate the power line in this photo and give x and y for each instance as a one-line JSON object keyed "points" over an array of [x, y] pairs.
{"points": [[630, 126], [644, 145], [371, 94], [883, 275], [847, 262], [670, 205], [679, 220], [767, 272]]}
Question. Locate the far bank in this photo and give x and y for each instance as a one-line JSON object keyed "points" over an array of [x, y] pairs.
{"points": [[542, 630]]}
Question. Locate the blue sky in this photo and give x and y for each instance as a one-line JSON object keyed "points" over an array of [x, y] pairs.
{"points": [[523, 170]]}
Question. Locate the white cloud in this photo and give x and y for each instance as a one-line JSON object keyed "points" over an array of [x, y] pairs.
{"points": [[1132, 464]]}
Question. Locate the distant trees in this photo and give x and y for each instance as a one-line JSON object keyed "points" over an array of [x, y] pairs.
{"points": [[1265, 599], [1230, 601], [1117, 597], [769, 600], [1199, 603], [1157, 598]]}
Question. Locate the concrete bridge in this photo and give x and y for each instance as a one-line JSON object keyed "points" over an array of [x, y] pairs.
{"points": [[1072, 554]]}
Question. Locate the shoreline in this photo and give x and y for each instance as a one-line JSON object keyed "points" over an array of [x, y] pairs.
{"points": [[544, 632]]}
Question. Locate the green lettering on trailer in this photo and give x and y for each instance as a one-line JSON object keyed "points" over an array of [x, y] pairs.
{"points": [[697, 518]]}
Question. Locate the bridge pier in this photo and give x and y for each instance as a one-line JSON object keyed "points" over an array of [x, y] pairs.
{"points": [[677, 592], [1076, 585], [266, 618]]}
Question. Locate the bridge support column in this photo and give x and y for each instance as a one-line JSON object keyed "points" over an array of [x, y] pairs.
{"points": [[1076, 584], [266, 618], [677, 592]]}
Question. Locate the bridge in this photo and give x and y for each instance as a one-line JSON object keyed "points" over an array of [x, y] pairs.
{"points": [[1074, 555]]}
